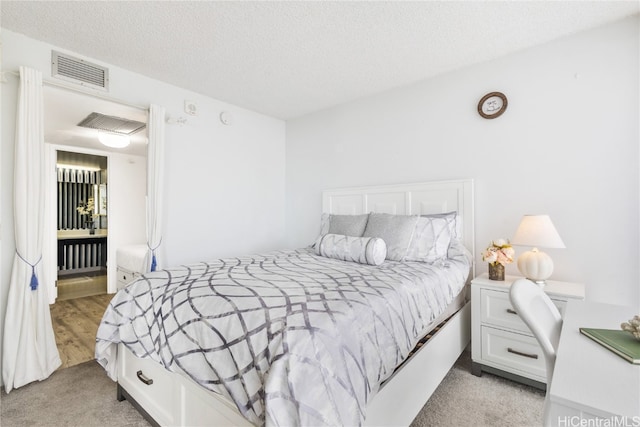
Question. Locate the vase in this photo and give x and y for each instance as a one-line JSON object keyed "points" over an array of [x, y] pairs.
{"points": [[496, 271], [92, 227]]}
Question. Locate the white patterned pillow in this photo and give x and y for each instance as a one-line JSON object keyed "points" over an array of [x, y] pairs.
{"points": [[363, 250], [432, 237], [395, 230]]}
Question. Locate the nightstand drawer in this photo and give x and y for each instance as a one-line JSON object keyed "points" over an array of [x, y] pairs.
{"points": [[125, 277], [517, 353], [498, 311]]}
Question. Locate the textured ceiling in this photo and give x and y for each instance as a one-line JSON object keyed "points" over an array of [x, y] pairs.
{"points": [[287, 59]]}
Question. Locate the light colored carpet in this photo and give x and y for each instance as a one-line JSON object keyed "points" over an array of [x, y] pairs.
{"points": [[463, 399], [83, 396]]}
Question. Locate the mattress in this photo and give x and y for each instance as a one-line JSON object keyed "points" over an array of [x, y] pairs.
{"points": [[290, 337], [132, 258]]}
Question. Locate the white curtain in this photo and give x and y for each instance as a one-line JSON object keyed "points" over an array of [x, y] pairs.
{"points": [[155, 173], [29, 346]]}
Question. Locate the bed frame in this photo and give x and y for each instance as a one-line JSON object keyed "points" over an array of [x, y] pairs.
{"points": [[167, 398]]}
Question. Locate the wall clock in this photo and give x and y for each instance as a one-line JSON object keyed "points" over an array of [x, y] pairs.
{"points": [[492, 105]]}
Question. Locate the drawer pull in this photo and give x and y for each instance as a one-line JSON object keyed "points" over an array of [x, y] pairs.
{"points": [[510, 311], [519, 353], [147, 381]]}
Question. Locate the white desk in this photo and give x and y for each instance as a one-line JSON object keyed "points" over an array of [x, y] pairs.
{"points": [[589, 381]]}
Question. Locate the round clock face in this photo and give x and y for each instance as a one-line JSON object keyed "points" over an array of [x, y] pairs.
{"points": [[492, 105]]}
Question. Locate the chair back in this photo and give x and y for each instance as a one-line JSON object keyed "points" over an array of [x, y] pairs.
{"points": [[539, 313]]}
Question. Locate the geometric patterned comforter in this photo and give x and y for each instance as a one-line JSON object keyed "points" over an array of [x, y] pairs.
{"points": [[291, 337]]}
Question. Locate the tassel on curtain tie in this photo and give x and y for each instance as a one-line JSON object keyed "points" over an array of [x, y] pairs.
{"points": [[154, 264], [34, 279]]}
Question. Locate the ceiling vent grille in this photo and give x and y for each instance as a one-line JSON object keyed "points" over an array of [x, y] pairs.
{"points": [[79, 71], [112, 124]]}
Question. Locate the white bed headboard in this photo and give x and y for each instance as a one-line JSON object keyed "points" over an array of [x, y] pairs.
{"points": [[409, 199]]}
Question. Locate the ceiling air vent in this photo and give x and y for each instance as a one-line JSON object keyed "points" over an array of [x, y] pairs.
{"points": [[79, 71], [112, 124]]}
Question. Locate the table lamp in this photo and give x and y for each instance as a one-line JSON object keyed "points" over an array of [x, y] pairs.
{"points": [[537, 231]]}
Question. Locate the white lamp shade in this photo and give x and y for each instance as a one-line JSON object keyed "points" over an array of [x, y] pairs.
{"points": [[535, 265], [537, 231]]}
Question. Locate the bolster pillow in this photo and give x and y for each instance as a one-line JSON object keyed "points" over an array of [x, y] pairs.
{"points": [[363, 250]]}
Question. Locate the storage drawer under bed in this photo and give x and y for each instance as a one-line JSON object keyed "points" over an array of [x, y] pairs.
{"points": [[150, 385], [172, 399]]}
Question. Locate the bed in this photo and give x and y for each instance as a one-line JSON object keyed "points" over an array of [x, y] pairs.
{"points": [[334, 335]]}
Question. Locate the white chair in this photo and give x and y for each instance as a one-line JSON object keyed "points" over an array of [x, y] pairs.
{"points": [[541, 316]]}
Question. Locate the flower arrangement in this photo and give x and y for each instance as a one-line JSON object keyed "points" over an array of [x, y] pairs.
{"points": [[87, 208], [499, 252]]}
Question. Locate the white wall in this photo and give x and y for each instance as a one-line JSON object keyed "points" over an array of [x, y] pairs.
{"points": [[566, 146], [126, 204], [225, 185]]}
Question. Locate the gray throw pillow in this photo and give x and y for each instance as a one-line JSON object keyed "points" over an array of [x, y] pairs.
{"points": [[395, 230], [348, 225]]}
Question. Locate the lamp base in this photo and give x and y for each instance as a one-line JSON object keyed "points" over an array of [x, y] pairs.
{"points": [[535, 266]]}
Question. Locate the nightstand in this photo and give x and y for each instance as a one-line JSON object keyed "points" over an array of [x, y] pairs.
{"points": [[125, 277], [501, 343], [130, 263]]}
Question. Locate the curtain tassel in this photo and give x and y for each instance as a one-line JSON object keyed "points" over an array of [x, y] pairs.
{"points": [[154, 261], [154, 264], [34, 279], [33, 284]]}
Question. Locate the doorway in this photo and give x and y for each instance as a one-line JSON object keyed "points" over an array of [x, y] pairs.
{"points": [[82, 224], [82, 231], [96, 202]]}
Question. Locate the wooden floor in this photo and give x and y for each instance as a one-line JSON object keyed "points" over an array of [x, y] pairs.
{"points": [[75, 323], [81, 285]]}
